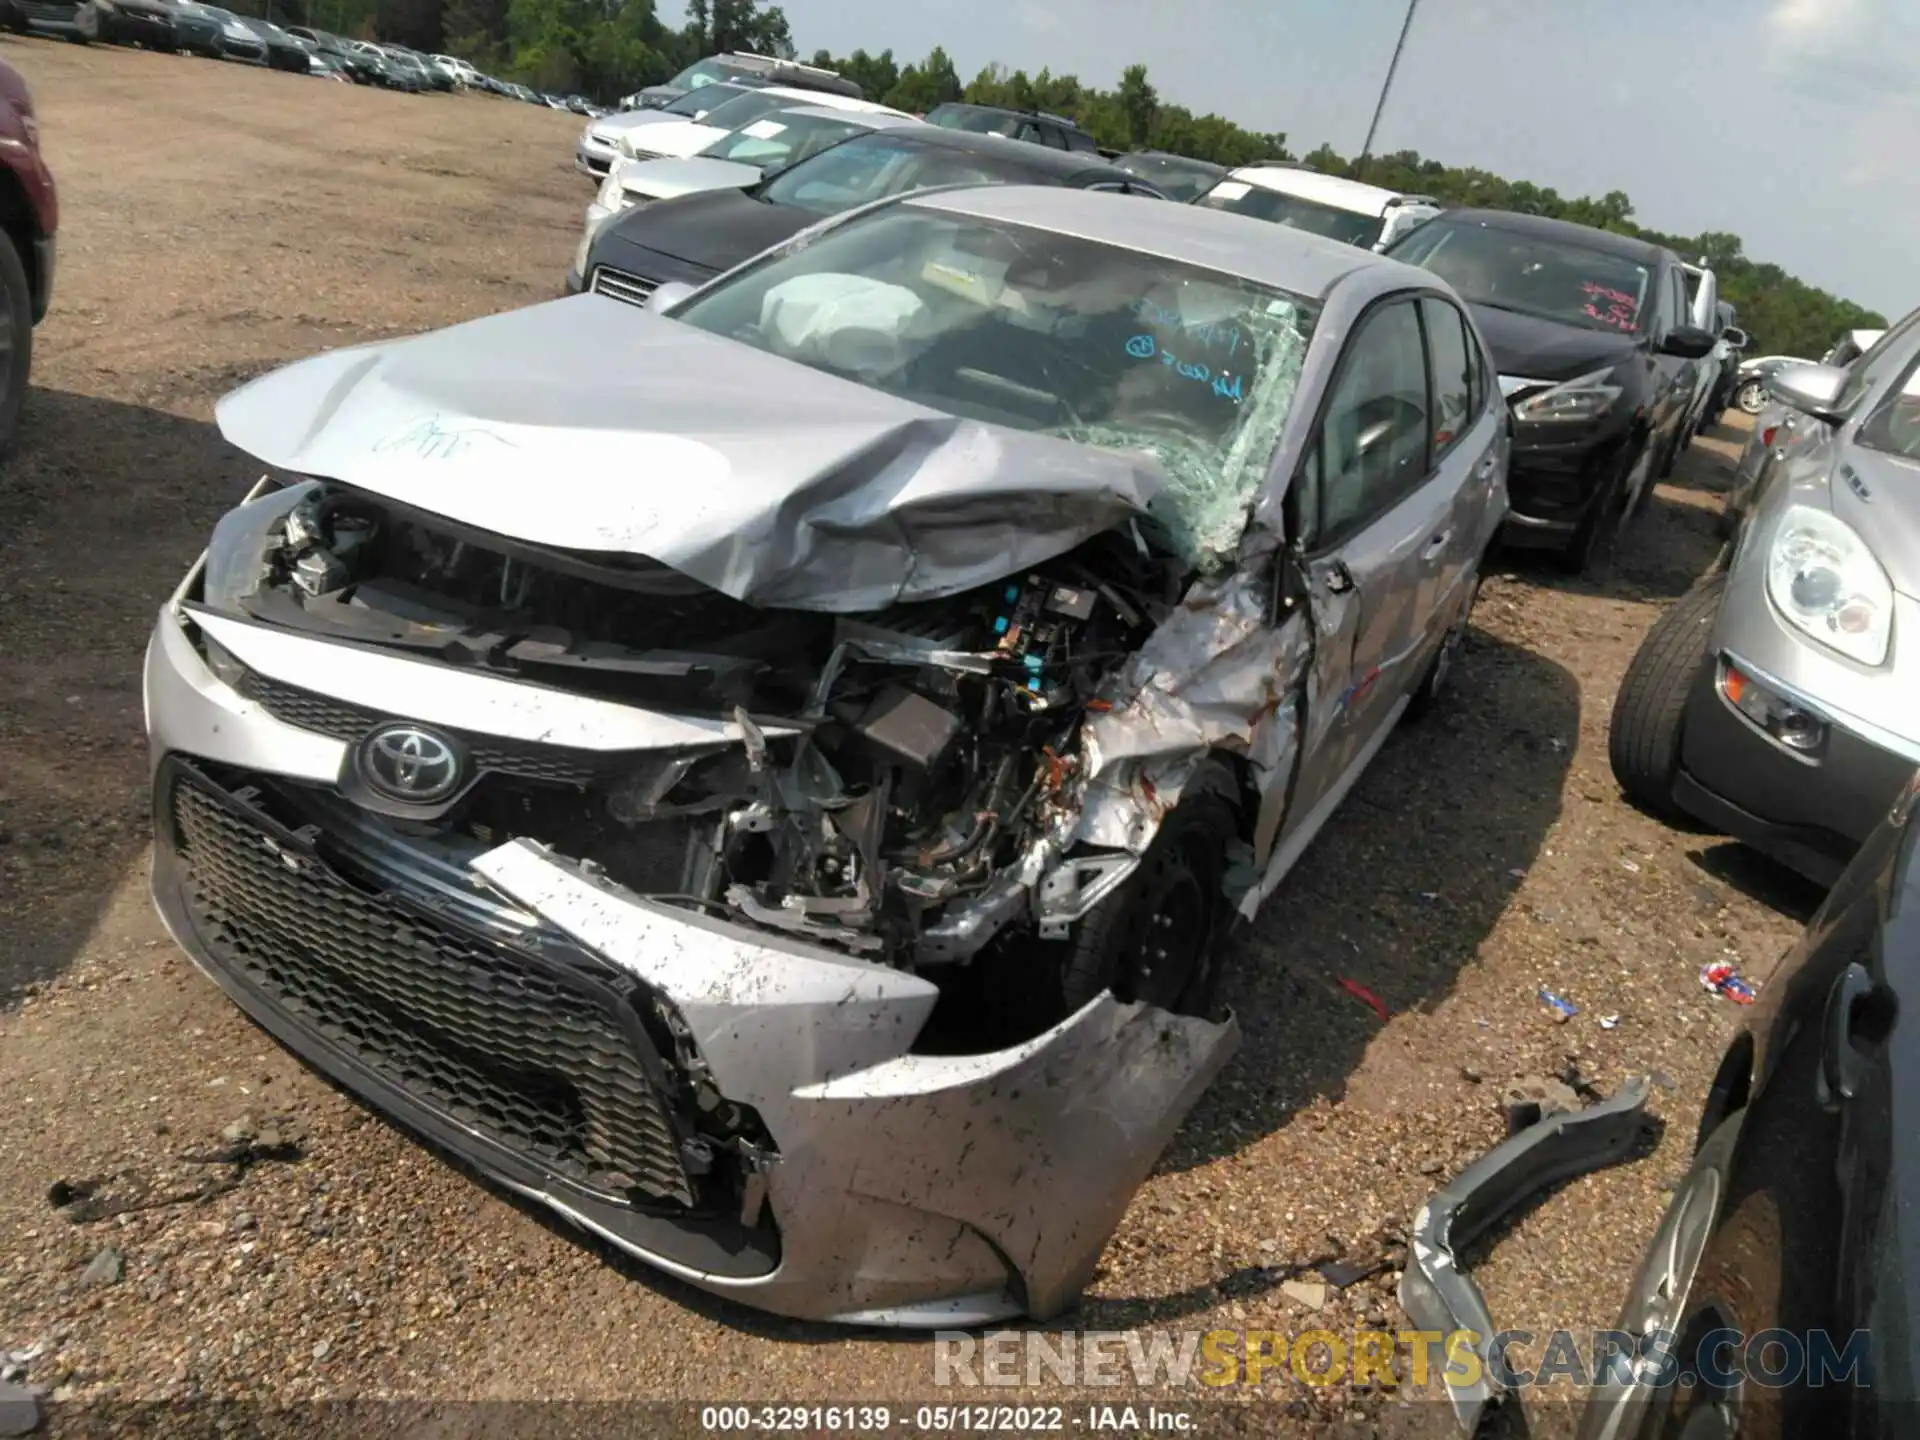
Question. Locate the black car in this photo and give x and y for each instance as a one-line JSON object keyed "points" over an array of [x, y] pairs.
{"points": [[284, 52], [1590, 331], [428, 75], [129, 22], [1781, 1279], [1178, 177], [328, 44], [1729, 378], [692, 238], [44, 17], [1036, 127], [197, 30]]}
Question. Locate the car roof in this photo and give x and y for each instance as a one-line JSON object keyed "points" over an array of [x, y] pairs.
{"points": [[872, 119], [1066, 164], [1020, 110], [1334, 190], [825, 98], [1539, 227], [1269, 254]]}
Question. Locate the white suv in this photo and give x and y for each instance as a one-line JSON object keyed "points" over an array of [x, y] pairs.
{"points": [[1347, 210]]}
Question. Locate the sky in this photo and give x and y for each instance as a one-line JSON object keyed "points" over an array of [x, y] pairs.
{"points": [[1795, 124]]}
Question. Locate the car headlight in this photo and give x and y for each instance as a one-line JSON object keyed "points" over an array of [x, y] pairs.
{"points": [[237, 553], [1583, 398], [1823, 578]]}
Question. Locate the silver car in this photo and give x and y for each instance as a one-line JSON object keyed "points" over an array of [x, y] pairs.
{"points": [[598, 147], [768, 774], [1774, 701]]}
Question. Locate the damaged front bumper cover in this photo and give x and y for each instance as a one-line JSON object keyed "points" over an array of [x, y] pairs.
{"points": [[1434, 1291], [905, 1189]]}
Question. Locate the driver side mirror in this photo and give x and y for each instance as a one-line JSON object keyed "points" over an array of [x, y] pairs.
{"points": [[1688, 342], [1811, 389], [665, 297], [1735, 337]]}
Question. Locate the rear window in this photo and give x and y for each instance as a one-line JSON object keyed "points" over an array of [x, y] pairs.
{"points": [[872, 167]]}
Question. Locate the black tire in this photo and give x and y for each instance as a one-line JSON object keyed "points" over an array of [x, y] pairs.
{"points": [[1172, 903], [16, 333], [1594, 541], [1644, 733], [1433, 685]]}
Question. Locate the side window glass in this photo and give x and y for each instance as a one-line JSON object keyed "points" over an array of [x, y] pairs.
{"points": [[1373, 438], [1449, 353]]}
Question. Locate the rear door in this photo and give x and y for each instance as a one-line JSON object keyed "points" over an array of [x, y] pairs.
{"points": [[1468, 438], [1377, 519]]}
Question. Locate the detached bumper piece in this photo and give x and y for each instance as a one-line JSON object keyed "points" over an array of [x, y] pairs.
{"points": [[505, 1043], [1434, 1291]]}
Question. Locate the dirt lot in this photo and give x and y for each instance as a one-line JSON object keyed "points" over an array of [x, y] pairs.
{"points": [[219, 221]]}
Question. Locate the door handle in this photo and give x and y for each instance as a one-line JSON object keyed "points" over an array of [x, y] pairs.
{"points": [[1436, 545], [1856, 1012], [1339, 578]]}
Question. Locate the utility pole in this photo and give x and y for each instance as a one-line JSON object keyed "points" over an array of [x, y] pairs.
{"points": [[1360, 166]]}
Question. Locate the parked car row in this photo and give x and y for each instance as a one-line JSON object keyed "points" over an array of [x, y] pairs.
{"points": [[190, 27]]}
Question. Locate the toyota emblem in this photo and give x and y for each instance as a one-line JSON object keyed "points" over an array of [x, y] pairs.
{"points": [[406, 762]]}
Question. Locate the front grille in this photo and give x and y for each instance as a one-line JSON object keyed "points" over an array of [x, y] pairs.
{"points": [[540, 1060], [621, 285], [48, 12], [595, 165], [343, 721]]}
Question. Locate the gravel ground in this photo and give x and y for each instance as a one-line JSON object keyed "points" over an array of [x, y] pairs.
{"points": [[219, 221]]}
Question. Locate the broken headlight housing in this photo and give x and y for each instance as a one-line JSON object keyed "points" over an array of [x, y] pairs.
{"points": [[237, 553], [1822, 577], [1582, 399]]}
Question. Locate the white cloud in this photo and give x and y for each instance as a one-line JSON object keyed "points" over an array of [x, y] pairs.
{"points": [[1802, 19]]}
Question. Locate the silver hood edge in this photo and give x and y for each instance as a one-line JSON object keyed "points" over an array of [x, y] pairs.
{"points": [[589, 425]]}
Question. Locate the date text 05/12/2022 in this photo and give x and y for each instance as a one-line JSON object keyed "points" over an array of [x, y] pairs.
{"points": [[945, 1419]]}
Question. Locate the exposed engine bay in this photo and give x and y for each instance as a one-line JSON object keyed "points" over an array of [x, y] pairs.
{"points": [[899, 775]]}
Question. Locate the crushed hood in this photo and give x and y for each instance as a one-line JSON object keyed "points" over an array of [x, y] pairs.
{"points": [[665, 179], [589, 425]]}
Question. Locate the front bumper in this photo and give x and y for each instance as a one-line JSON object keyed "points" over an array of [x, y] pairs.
{"points": [[251, 54], [909, 1189], [1809, 811], [593, 157], [1553, 482]]}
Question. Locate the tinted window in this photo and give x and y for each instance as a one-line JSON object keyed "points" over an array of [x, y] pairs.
{"points": [[745, 108], [1373, 439], [1243, 198], [696, 102], [1039, 331], [1080, 140], [706, 72], [1450, 351], [975, 120], [1550, 278], [871, 167]]}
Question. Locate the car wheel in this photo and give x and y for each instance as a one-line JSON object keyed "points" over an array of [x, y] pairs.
{"points": [[1157, 939], [1643, 735], [1434, 683], [1751, 397], [16, 341]]}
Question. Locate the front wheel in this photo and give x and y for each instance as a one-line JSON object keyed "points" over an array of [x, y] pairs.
{"points": [[16, 341], [1751, 397], [1433, 684], [1644, 733], [1158, 939], [1607, 519]]}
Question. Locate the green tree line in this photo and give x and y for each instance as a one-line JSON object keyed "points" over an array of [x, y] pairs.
{"points": [[606, 48]]}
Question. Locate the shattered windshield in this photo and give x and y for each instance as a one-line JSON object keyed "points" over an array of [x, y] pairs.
{"points": [[1044, 332]]}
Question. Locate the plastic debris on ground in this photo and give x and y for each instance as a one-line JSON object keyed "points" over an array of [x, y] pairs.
{"points": [[1561, 1008], [1720, 977], [1608, 1022], [1365, 997]]}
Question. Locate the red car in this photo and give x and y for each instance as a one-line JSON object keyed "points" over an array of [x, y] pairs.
{"points": [[29, 214]]}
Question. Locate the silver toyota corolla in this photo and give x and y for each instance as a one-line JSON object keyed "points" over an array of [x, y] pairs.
{"points": [[1775, 700], [770, 779]]}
